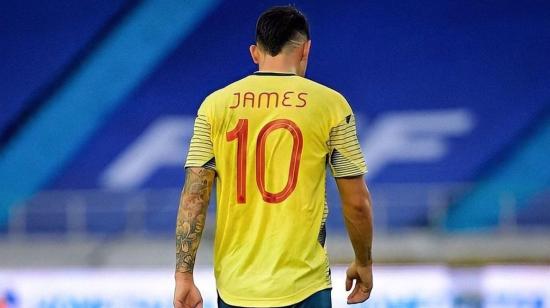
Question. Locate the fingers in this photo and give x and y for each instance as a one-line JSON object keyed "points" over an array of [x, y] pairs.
{"points": [[352, 294], [197, 298], [349, 283], [189, 300], [359, 294], [351, 274]]}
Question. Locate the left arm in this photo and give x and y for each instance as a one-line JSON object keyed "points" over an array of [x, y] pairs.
{"points": [[190, 224]]}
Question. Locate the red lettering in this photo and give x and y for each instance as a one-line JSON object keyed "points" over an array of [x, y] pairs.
{"points": [[303, 99], [285, 98], [297, 145], [240, 132], [248, 96], [238, 95], [268, 95]]}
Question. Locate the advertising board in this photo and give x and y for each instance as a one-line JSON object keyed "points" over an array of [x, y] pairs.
{"points": [[395, 286]]}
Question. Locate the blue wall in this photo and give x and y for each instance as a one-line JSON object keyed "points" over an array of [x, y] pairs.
{"points": [[488, 58], [484, 64], [39, 41]]}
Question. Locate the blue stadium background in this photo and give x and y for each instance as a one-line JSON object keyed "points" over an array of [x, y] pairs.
{"points": [[99, 95]]}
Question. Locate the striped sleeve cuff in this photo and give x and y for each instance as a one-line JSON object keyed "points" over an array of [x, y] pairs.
{"points": [[201, 151], [346, 158]]}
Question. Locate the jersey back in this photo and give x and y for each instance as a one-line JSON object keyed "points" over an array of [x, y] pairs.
{"points": [[269, 137]]}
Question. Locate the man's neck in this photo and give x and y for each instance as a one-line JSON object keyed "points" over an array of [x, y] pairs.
{"points": [[279, 64]]}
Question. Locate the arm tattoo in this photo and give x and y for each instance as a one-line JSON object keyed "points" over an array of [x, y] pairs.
{"points": [[191, 216]]}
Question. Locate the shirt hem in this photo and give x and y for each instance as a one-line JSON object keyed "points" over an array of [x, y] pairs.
{"points": [[273, 302]]}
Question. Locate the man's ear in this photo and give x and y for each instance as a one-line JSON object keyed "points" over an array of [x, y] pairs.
{"points": [[305, 51], [255, 54]]}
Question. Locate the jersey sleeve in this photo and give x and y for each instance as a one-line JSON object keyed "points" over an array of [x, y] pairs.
{"points": [[345, 156], [201, 150]]}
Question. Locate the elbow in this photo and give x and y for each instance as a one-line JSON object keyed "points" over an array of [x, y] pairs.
{"points": [[358, 204]]}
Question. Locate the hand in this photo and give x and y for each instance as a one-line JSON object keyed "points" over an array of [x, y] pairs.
{"points": [[363, 282], [187, 294]]}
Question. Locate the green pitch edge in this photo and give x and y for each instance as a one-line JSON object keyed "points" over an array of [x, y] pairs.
{"points": [[119, 63], [522, 176]]}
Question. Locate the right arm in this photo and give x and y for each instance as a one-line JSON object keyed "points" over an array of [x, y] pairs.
{"points": [[356, 206]]}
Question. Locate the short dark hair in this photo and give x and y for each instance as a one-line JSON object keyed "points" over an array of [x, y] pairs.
{"points": [[278, 25]]}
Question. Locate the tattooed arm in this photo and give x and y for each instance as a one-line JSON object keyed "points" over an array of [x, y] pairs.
{"points": [[356, 205], [190, 224]]}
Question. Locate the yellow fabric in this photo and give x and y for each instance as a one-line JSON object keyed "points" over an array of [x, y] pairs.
{"points": [[200, 149], [267, 250]]}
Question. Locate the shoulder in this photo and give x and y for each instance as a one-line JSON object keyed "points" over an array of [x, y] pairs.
{"points": [[334, 100], [321, 89]]}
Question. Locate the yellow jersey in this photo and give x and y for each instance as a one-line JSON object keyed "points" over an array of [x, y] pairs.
{"points": [[270, 136]]}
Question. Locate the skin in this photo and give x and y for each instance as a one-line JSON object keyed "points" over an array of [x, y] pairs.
{"points": [[190, 224], [198, 185], [356, 207]]}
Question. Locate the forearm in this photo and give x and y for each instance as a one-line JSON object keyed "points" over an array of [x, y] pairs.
{"points": [[358, 219], [191, 216]]}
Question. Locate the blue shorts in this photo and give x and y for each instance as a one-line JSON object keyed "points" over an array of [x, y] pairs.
{"points": [[321, 299]]}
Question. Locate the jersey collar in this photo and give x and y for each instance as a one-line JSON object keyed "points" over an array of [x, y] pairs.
{"points": [[266, 73]]}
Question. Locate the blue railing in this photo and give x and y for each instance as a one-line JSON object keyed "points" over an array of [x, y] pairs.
{"points": [[397, 208]]}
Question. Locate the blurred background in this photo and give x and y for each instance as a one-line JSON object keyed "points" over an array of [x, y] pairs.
{"points": [[97, 103]]}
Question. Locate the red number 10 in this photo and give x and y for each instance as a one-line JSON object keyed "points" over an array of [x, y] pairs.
{"points": [[240, 132]]}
